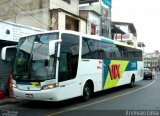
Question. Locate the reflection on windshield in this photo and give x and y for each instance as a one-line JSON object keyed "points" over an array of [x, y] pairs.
{"points": [[32, 58]]}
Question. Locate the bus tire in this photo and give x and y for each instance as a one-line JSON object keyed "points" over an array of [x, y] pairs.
{"points": [[132, 81], [86, 92]]}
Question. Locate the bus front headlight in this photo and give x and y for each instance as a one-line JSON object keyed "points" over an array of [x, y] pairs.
{"points": [[49, 86]]}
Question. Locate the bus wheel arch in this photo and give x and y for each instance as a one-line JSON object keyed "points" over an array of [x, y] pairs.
{"points": [[132, 82], [88, 90]]}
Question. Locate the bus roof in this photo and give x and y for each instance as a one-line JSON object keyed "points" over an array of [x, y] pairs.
{"points": [[95, 37]]}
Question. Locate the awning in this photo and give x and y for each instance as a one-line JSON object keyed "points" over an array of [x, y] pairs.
{"points": [[115, 29], [87, 1]]}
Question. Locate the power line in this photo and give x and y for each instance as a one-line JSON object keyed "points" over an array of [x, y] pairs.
{"points": [[4, 3], [27, 13]]}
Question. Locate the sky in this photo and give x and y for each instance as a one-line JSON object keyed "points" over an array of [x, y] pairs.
{"points": [[145, 15]]}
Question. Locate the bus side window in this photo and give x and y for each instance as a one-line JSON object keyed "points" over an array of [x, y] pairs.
{"points": [[86, 52], [115, 53]]}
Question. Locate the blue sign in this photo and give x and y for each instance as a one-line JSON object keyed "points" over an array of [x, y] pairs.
{"points": [[106, 3]]}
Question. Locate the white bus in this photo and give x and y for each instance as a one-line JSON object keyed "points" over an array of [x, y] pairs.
{"points": [[59, 65]]}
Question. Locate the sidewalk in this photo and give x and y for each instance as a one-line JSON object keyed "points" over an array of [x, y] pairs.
{"points": [[7, 100]]}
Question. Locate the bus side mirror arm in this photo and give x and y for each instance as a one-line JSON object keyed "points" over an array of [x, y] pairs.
{"points": [[4, 52], [52, 45]]}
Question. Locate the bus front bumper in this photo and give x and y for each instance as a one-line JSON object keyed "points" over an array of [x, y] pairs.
{"points": [[42, 95]]}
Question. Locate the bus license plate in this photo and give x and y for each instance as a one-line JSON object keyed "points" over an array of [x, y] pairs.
{"points": [[29, 95]]}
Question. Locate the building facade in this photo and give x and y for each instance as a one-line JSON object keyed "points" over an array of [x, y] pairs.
{"points": [[152, 60], [124, 32], [44, 14], [93, 21], [98, 18]]}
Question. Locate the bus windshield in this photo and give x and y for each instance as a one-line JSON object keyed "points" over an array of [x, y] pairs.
{"points": [[32, 61]]}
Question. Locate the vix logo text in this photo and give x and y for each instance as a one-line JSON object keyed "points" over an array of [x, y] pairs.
{"points": [[114, 71]]}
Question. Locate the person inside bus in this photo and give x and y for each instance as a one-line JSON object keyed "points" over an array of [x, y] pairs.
{"points": [[102, 54]]}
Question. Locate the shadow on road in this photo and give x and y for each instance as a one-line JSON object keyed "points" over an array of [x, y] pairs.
{"points": [[75, 101]]}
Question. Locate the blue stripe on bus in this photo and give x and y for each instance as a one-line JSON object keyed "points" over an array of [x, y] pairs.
{"points": [[107, 40], [132, 65], [105, 70]]}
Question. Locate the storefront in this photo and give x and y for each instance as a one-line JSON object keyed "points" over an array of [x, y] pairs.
{"points": [[10, 34], [6, 66]]}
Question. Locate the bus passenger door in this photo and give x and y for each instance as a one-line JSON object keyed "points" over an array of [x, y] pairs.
{"points": [[69, 83]]}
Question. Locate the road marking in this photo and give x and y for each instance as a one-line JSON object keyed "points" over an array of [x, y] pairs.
{"points": [[107, 99]]}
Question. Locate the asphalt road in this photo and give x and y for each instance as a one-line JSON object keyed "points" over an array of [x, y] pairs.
{"points": [[142, 99]]}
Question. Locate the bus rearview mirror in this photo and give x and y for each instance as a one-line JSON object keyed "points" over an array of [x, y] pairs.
{"points": [[52, 45]]}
